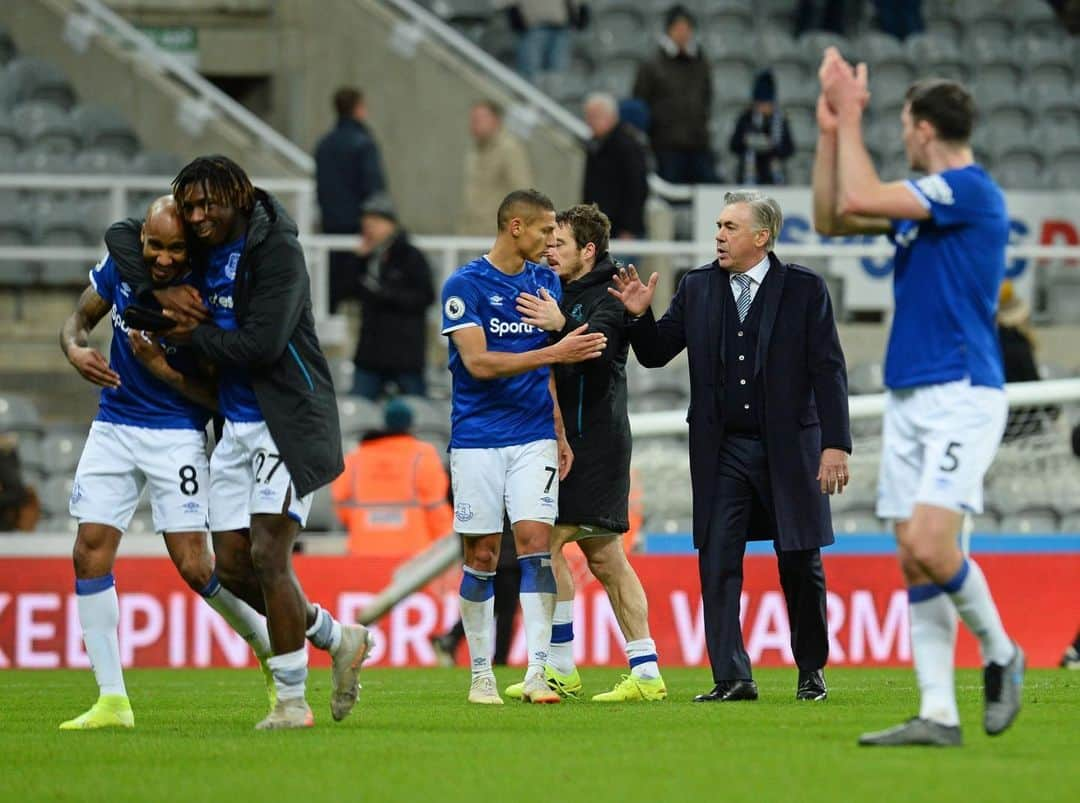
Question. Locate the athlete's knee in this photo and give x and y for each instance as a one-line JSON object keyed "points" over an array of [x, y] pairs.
{"points": [[196, 571], [269, 558], [93, 553], [484, 558], [607, 561]]}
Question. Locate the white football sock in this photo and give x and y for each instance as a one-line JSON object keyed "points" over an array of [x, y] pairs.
{"points": [[477, 607], [641, 655], [99, 615], [242, 618], [537, 607], [290, 673], [970, 594], [325, 633], [933, 648], [561, 657]]}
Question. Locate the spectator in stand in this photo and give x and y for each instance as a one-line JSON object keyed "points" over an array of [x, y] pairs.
{"points": [[543, 28], [348, 171], [762, 140], [900, 18], [1018, 344], [392, 497], [392, 280], [615, 172], [19, 506], [677, 87], [835, 16], [495, 166]]}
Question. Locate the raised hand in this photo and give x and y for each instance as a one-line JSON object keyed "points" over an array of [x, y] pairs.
{"points": [[826, 117], [93, 367], [630, 290], [541, 311], [580, 345]]}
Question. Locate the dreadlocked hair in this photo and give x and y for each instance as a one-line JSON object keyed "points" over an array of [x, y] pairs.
{"points": [[221, 178]]}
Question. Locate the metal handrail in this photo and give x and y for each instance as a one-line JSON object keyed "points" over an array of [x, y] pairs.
{"points": [[108, 22]]}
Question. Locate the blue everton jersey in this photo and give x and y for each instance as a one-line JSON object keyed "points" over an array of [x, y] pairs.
{"points": [[236, 397], [497, 412], [142, 400], [948, 271]]}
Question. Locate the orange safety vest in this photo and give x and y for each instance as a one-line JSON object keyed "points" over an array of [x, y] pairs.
{"points": [[392, 497]]}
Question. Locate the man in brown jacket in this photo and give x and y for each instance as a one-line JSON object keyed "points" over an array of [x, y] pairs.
{"points": [[495, 166]]}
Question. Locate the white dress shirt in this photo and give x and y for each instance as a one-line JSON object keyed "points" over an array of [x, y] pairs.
{"points": [[756, 275]]}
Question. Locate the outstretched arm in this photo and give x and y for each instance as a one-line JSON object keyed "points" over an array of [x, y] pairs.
{"points": [[483, 364]]}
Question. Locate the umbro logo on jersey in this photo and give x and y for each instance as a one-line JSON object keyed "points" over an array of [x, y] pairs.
{"points": [[496, 300]]}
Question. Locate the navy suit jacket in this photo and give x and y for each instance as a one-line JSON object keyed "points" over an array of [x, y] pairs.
{"points": [[801, 379]]}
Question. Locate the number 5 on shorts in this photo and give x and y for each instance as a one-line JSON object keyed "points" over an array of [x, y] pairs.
{"points": [[552, 474], [946, 465]]}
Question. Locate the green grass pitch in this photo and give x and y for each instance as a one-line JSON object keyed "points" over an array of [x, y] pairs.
{"points": [[413, 737]]}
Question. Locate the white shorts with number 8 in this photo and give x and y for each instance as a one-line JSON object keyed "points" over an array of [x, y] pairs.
{"points": [[522, 480], [118, 460], [248, 476], [938, 442]]}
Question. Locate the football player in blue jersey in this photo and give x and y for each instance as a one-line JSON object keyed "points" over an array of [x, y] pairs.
{"points": [[946, 405], [145, 433], [281, 439], [508, 449]]}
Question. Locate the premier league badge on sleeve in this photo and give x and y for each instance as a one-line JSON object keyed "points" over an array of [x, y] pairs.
{"points": [[454, 308]]}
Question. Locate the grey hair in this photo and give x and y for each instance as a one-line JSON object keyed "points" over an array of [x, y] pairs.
{"points": [[605, 99], [765, 212]]}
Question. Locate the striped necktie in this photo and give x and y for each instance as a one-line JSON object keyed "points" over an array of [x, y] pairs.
{"points": [[742, 302]]}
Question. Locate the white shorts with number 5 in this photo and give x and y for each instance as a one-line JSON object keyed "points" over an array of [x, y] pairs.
{"points": [[248, 476], [522, 480], [938, 442], [118, 460]]}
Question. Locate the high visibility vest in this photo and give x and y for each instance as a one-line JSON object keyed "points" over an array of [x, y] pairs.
{"points": [[392, 497]]}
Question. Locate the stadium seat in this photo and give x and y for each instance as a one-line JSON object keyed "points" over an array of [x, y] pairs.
{"points": [[994, 60], [733, 17], [37, 80], [100, 161], [937, 55], [866, 377], [1019, 177], [616, 75], [60, 452], [854, 522], [986, 523], [16, 226], [55, 494], [156, 163], [987, 19], [47, 126], [10, 139], [322, 518], [106, 129], [429, 414], [1070, 523], [1056, 104], [18, 414], [1037, 19], [358, 415], [1030, 522], [945, 19], [28, 446]]}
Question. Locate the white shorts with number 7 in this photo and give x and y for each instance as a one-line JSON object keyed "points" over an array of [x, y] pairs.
{"points": [[522, 480], [248, 476], [938, 442]]}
